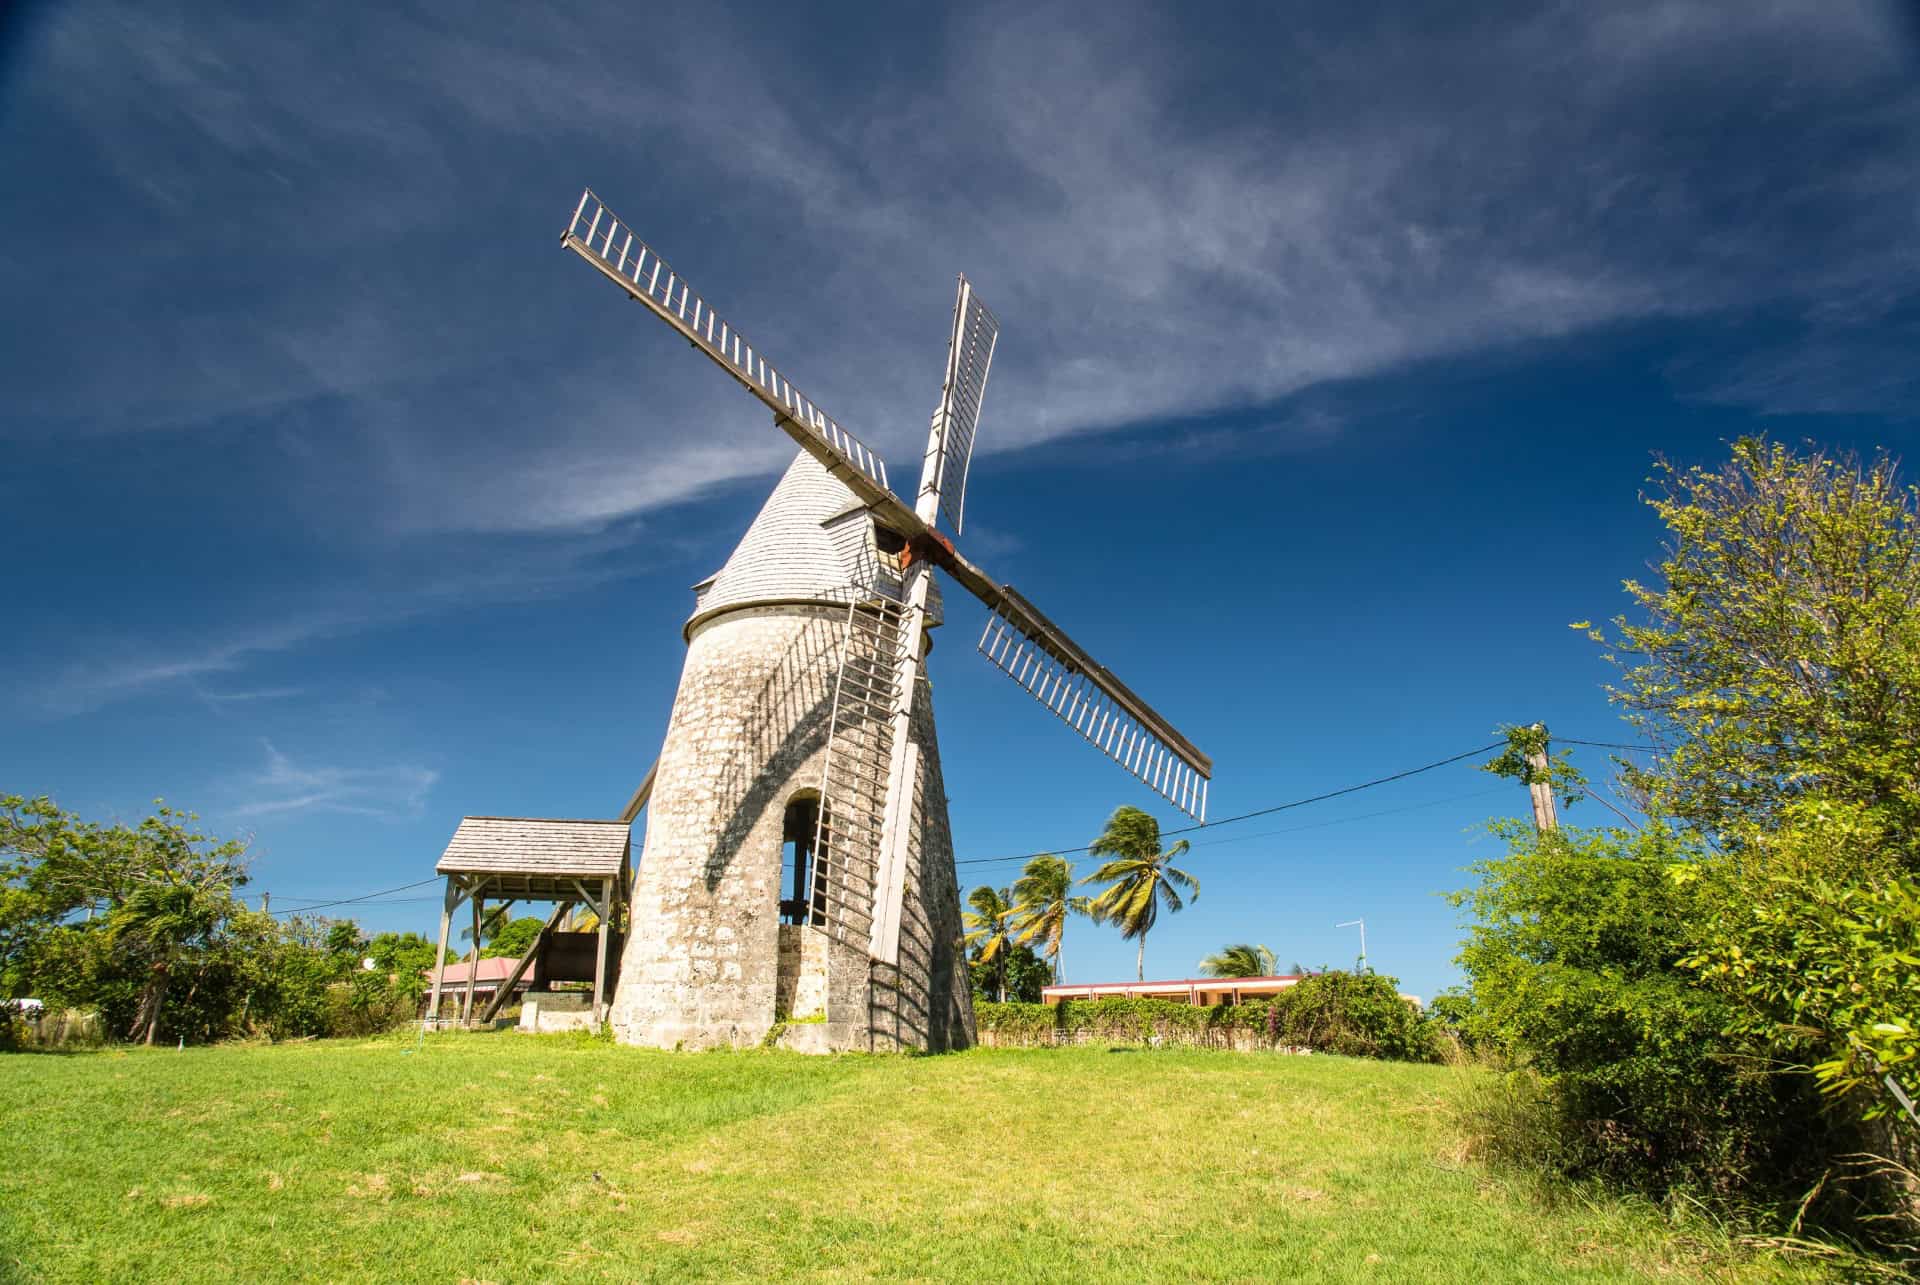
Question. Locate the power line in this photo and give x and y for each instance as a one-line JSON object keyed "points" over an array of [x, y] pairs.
{"points": [[1334, 794], [1027, 856], [1317, 825], [1261, 812], [1358, 816], [348, 901]]}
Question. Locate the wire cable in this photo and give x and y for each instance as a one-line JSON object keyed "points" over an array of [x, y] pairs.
{"points": [[1316, 825], [1604, 745], [348, 901], [1261, 812], [1028, 856]]}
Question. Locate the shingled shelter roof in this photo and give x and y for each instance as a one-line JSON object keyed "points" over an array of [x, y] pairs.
{"points": [[537, 846]]}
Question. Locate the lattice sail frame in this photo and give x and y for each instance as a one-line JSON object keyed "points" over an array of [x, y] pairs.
{"points": [[609, 245], [1052, 668], [1099, 707], [950, 443]]}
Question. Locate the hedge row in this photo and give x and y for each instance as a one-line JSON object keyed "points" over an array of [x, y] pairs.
{"points": [[1358, 1015], [1136, 1021]]}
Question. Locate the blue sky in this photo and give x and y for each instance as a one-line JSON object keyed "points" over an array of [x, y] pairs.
{"points": [[340, 502]]}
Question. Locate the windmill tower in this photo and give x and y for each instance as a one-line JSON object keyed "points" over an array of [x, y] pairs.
{"points": [[798, 865]]}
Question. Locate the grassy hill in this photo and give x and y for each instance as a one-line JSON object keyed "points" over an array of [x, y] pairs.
{"points": [[509, 1158]]}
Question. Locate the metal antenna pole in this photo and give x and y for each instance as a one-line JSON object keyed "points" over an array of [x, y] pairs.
{"points": [[1361, 924]]}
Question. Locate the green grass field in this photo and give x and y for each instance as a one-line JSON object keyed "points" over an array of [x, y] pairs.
{"points": [[513, 1158]]}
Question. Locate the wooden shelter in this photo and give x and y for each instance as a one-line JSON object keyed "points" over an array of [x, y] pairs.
{"points": [[570, 863]]}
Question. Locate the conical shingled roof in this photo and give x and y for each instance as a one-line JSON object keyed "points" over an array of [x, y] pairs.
{"points": [[812, 539]]}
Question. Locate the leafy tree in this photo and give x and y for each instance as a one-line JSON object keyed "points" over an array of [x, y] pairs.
{"points": [[1574, 955], [143, 923], [113, 914], [162, 922], [1239, 960], [57, 871], [346, 942], [1451, 1010], [491, 922], [512, 938], [1044, 893], [990, 932], [1140, 878], [1780, 650], [1821, 966], [1684, 993], [1019, 969], [403, 955]]}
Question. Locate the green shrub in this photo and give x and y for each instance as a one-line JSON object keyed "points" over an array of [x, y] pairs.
{"points": [[1574, 961], [1118, 1019], [367, 1004], [1358, 1014], [1583, 967], [1014, 1021], [1336, 1013]]}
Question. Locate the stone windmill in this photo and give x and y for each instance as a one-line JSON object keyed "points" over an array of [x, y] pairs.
{"points": [[798, 867]]}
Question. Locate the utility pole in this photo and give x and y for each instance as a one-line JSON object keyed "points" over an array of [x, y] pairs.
{"points": [[1361, 924], [1540, 783], [266, 903]]}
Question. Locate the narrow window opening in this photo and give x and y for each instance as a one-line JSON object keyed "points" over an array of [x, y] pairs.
{"points": [[800, 878]]}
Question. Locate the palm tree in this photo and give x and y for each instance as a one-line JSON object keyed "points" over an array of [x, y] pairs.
{"points": [[491, 923], [159, 921], [1140, 877], [1239, 960], [990, 928], [1044, 892]]}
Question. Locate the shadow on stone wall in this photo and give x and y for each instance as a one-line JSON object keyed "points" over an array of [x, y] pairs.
{"points": [[923, 1001], [784, 726]]}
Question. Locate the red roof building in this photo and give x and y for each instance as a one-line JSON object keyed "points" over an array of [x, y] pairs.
{"points": [[1204, 992], [486, 978]]}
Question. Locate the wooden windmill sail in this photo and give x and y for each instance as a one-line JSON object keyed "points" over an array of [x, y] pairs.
{"points": [[869, 767]]}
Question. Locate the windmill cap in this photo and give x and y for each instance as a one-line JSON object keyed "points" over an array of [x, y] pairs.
{"points": [[811, 540]]}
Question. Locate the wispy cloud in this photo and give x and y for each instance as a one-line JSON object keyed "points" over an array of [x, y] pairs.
{"points": [[106, 669], [334, 231], [1171, 219], [123, 669], [247, 696], [284, 787], [1827, 370]]}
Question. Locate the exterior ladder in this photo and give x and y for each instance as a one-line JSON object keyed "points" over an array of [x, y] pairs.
{"points": [[853, 788]]}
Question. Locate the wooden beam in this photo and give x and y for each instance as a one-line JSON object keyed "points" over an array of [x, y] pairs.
{"points": [[602, 906], [449, 904], [473, 962], [600, 955], [513, 978], [640, 795]]}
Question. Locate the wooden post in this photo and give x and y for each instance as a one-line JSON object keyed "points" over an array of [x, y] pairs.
{"points": [[600, 954], [448, 904], [473, 962], [519, 969], [1540, 784]]}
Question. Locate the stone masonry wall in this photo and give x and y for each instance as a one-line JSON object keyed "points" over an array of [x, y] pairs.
{"points": [[748, 731], [802, 986]]}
